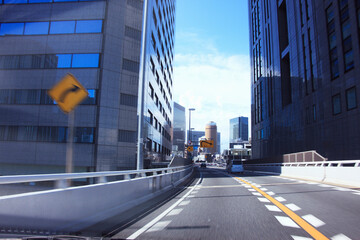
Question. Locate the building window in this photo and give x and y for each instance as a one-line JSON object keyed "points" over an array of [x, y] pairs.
{"points": [[127, 136], [62, 27], [130, 65], [151, 117], [128, 100], [351, 101], [151, 91], [132, 33], [336, 104], [314, 113]]}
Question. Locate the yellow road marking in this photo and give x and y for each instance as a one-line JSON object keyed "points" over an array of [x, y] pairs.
{"points": [[301, 222]]}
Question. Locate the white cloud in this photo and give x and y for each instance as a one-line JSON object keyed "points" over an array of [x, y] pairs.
{"points": [[217, 86]]}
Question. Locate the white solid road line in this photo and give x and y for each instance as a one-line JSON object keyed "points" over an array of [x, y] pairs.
{"points": [[159, 226], [163, 214], [292, 207], [340, 237], [313, 220], [287, 222], [273, 208], [175, 212]]}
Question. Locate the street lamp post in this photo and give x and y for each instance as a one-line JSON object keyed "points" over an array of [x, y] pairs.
{"points": [[189, 137]]}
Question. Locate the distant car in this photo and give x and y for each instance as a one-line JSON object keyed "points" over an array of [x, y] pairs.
{"points": [[235, 166], [203, 165]]}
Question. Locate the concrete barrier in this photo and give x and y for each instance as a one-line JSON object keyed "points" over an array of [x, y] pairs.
{"points": [[332, 172], [74, 208]]}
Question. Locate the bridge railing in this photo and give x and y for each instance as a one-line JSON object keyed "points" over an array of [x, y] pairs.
{"points": [[61, 179], [345, 172], [71, 208]]}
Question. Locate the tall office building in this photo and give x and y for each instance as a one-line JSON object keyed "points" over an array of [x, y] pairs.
{"points": [[99, 42], [305, 65], [239, 129], [179, 128]]}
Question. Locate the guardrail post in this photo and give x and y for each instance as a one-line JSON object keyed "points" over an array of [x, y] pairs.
{"points": [[102, 179], [127, 177], [62, 183]]}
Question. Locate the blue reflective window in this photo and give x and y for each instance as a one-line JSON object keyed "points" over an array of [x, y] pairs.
{"points": [[91, 99], [89, 26], [15, 1], [63, 60], [39, 1], [85, 60], [62, 27], [12, 29], [36, 28], [65, 0]]}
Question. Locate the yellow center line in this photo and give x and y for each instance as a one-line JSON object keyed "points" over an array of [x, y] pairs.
{"points": [[301, 222]]}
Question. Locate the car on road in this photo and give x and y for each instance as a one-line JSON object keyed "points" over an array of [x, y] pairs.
{"points": [[235, 166], [203, 165]]}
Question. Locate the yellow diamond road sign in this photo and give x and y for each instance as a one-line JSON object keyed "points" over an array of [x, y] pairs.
{"points": [[207, 143], [68, 93], [190, 148]]}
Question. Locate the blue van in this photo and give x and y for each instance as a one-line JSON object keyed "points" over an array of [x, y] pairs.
{"points": [[235, 166]]}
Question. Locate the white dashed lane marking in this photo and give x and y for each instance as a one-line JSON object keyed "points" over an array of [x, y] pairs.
{"points": [[263, 199], [175, 212], [313, 220], [159, 226], [264, 189], [292, 207], [340, 237], [270, 193], [280, 199], [300, 238], [287, 222], [183, 203], [273, 208], [256, 193], [252, 190]]}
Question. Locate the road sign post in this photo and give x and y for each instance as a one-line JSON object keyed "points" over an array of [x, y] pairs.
{"points": [[68, 93]]}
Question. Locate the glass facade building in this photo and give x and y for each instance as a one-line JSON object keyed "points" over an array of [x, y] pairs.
{"points": [[179, 129], [305, 61], [99, 42], [239, 129]]}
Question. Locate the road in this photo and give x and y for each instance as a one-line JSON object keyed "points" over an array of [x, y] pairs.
{"points": [[252, 206]]}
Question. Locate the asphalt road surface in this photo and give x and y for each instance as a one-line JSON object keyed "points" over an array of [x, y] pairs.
{"points": [[252, 206]]}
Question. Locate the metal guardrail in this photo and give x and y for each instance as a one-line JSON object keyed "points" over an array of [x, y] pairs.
{"points": [[346, 163], [61, 179]]}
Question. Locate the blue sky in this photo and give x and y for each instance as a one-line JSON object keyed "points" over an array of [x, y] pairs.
{"points": [[211, 65]]}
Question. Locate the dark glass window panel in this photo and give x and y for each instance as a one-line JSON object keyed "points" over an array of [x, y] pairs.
{"points": [[63, 60], [133, 33], [91, 99], [336, 102], [335, 68], [349, 60], [85, 60], [4, 96], [39, 1], [62, 134], [38, 61], [130, 65], [351, 101], [314, 113], [12, 29], [127, 136], [345, 28], [25, 97], [347, 44], [12, 133], [332, 40], [62, 27], [51, 134], [333, 54], [343, 3], [344, 14], [36, 28], [25, 61], [28, 133], [84, 135], [46, 99], [331, 26], [65, 0], [89, 26], [51, 61], [15, 1], [2, 133], [128, 100]]}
